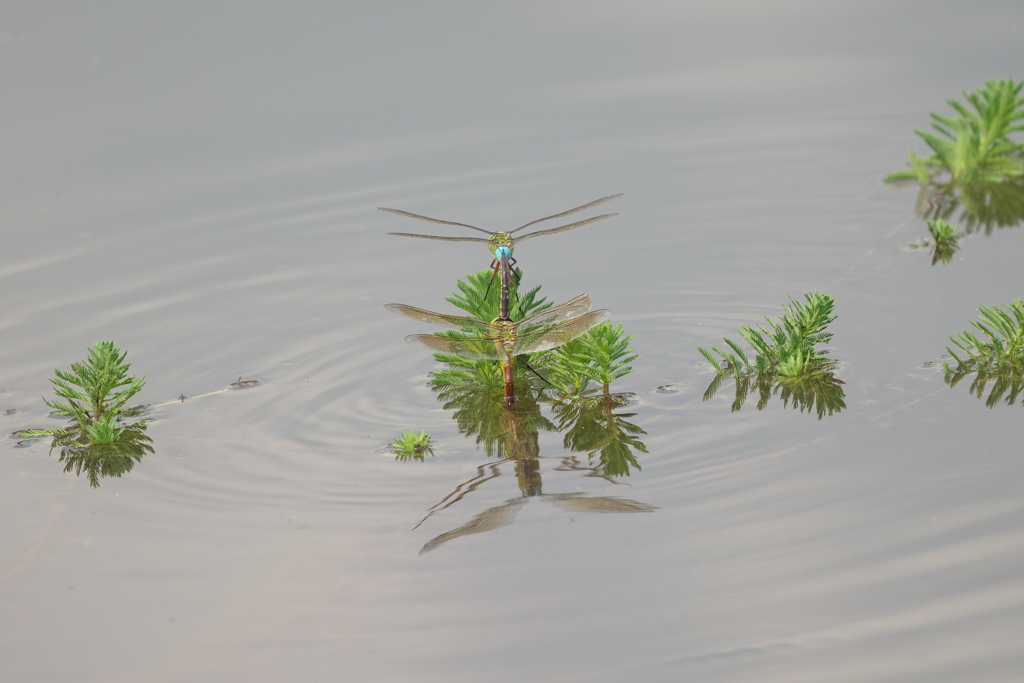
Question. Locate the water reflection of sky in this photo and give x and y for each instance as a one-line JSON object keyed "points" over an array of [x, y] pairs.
{"points": [[200, 184]]}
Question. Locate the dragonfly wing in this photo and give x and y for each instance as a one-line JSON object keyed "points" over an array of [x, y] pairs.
{"points": [[556, 314], [468, 347], [432, 220], [439, 237], [602, 200], [455, 322], [549, 338], [563, 228]]}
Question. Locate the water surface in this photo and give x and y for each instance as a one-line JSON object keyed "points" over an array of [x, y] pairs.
{"points": [[201, 184]]}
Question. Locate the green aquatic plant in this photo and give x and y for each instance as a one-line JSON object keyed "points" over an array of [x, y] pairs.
{"points": [[787, 347], [941, 231], [975, 167], [996, 355], [973, 147], [601, 356], [944, 242], [480, 299], [410, 445], [1002, 340], [96, 392], [786, 362]]}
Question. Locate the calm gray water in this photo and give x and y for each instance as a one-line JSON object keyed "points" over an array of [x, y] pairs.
{"points": [[199, 183]]}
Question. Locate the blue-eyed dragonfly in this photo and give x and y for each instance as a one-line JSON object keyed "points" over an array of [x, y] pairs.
{"points": [[502, 243]]}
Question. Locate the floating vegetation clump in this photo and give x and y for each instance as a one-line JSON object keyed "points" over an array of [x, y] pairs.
{"points": [[973, 147], [93, 395], [995, 356], [410, 445], [944, 241], [786, 361], [96, 393], [974, 165]]}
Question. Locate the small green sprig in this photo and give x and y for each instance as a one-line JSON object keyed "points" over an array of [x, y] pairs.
{"points": [[995, 358], [786, 347], [410, 445], [941, 231], [944, 242], [1003, 342]]}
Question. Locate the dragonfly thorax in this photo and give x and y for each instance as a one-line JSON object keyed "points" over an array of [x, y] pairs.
{"points": [[502, 328]]}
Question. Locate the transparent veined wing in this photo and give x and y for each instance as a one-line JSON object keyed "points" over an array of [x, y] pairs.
{"points": [[455, 322], [545, 339], [556, 314], [432, 220], [484, 348], [583, 207], [563, 228], [440, 237], [505, 237]]}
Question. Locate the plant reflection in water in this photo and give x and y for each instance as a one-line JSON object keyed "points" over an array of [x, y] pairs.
{"points": [[820, 392], [81, 452], [103, 459]]}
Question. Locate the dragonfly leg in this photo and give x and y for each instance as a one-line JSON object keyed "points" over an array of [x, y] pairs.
{"points": [[530, 368], [494, 273]]}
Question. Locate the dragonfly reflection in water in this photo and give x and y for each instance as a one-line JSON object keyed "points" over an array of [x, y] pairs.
{"points": [[501, 340]]}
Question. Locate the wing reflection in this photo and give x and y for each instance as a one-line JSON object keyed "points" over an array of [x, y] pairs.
{"points": [[511, 433]]}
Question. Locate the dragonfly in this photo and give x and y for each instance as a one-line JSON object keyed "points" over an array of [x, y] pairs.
{"points": [[501, 243], [503, 340]]}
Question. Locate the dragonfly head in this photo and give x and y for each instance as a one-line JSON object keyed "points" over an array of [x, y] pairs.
{"points": [[503, 252], [500, 240]]}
